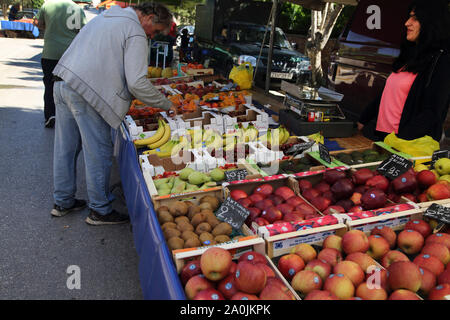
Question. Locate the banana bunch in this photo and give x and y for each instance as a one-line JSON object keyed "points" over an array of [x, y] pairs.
{"points": [[250, 133], [196, 137], [317, 137], [214, 141], [161, 136], [275, 137]]}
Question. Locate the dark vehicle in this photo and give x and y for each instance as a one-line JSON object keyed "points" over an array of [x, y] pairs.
{"points": [[222, 42], [190, 30], [27, 14], [367, 48]]}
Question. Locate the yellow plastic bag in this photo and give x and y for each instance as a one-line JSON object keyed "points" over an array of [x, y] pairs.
{"points": [[420, 147], [242, 75]]}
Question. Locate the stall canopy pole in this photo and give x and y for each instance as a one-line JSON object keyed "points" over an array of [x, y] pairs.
{"points": [[272, 36]]}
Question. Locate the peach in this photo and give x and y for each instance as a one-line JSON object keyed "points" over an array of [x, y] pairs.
{"points": [[306, 281], [437, 250], [330, 255], [387, 233], [352, 270], [410, 241], [355, 241], [429, 262], [305, 251], [378, 246], [340, 285], [403, 294], [333, 241], [393, 256], [366, 292], [362, 259], [404, 275]]}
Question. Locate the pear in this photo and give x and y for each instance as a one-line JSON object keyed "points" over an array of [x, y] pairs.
{"points": [[442, 166], [196, 178], [184, 174], [217, 174], [159, 182]]}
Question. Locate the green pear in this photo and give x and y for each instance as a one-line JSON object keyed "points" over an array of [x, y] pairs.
{"points": [[164, 191], [196, 178], [184, 174], [208, 185], [178, 188], [442, 166], [217, 174], [445, 177], [159, 182]]}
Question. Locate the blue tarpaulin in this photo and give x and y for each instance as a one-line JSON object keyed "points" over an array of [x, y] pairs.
{"points": [[157, 272], [19, 26]]}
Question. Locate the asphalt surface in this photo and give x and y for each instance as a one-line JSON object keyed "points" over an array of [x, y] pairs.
{"points": [[36, 249]]}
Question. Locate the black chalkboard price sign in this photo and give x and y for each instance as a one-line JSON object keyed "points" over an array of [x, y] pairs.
{"points": [[233, 175], [233, 213], [437, 155], [439, 213], [394, 166], [324, 153]]}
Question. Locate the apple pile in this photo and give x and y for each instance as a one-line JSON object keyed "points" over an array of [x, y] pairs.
{"points": [[216, 277], [268, 205], [382, 266]]}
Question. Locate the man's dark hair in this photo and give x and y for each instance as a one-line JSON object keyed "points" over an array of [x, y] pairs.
{"points": [[434, 19], [161, 12]]}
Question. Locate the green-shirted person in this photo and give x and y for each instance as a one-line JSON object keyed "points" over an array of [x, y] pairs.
{"points": [[61, 20]]}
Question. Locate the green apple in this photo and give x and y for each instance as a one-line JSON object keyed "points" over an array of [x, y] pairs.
{"points": [[445, 177], [442, 166]]}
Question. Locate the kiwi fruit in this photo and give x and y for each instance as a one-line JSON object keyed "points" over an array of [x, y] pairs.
{"points": [[192, 243], [213, 201], [197, 219], [188, 234], [184, 226], [206, 236], [162, 209], [222, 228], [189, 203], [168, 225], [169, 233], [180, 219], [164, 217], [192, 211], [175, 243], [206, 205], [222, 238], [178, 208], [207, 212], [212, 220], [203, 227]]}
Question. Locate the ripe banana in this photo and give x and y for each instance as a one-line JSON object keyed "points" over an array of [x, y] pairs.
{"points": [[164, 147], [154, 138], [167, 152], [164, 138]]}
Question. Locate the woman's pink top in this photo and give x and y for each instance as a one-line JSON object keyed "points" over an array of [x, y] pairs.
{"points": [[393, 100]]}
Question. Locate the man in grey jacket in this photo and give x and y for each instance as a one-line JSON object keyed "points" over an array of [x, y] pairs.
{"points": [[95, 79]]}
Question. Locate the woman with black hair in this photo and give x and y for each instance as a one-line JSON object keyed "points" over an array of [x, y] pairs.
{"points": [[416, 96]]}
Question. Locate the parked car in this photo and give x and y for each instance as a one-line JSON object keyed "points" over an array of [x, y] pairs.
{"points": [[243, 44], [27, 14], [363, 58], [190, 29]]}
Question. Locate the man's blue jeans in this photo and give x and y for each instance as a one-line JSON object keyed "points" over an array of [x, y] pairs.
{"points": [[78, 126]]}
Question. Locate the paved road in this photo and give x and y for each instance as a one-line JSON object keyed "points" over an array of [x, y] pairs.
{"points": [[36, 249]]}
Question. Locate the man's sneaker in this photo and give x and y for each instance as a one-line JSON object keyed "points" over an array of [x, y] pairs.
{"points": [[58, 211], [50, 123], [96, 219]]}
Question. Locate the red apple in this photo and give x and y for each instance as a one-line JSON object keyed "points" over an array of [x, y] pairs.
{"points": [[250, 278], [403, 294], [321, 295], [362, 259], [340, 285], [272, 214], [437, 250], [347, 204], [295, 201], [444, 277], [264, 204], [233, 267], [261, 222], [255, 197], [285, 208], [333, 241], [356, 209], [352, 270], [310, 194], [192, 268], [244, 296], [378, 246], [238, 194], [442, 238], [322, 187], [366, 292], [274, 292], [227, 286], [305, 251], [321, 203], [253, 257], [330, 196], [422, 197], [360, 176], [387, 233], [441, 292], [355, 241], [331, 176], [209, 294], [215, 263], [265, 190], [284, 192], [196, 284], [254, 213], [267, 269], [410, 241], [290, 264], [304, 184], [404, 183], [342, 188], [322, 268], [428, 281], [429, 262], [330, 255], [404, 275], [393, 256], [294, 216], [245, 202], [378, 277], [305, 209], [334, 209], [420, 226], [276, 200], [373, 198], [378, 181], [306, 281], [438, 192], [409, 197]]}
